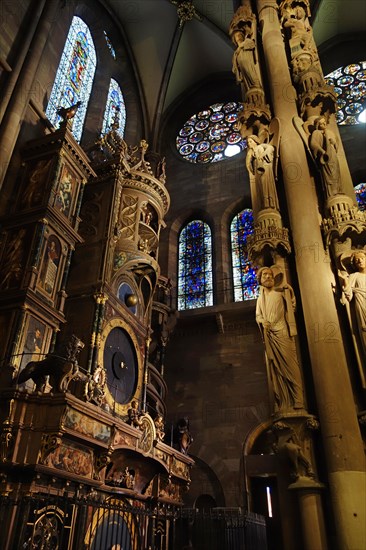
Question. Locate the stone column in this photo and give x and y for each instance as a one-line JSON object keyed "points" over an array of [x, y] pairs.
{"points": [[33, 14], [11, 123], [313, 529], [338, 419]]}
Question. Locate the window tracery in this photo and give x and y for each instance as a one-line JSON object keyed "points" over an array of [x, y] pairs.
{"points": [[212, 134], [350, 87]]}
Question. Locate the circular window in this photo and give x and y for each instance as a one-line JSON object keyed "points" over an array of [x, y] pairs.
{"points": [[211, 135], [350, 87]]}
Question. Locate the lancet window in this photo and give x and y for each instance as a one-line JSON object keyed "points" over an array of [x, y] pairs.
{"points": [[115, 109], [195, 288], [244, 274], [360, 191], [74, 77]]}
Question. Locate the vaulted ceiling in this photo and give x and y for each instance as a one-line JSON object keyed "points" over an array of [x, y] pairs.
{"points": [[172, 55]]}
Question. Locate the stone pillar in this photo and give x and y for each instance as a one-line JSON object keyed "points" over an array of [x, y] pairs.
{"points": [[33, 15], [311, 512], [337, 413], [11, 123]]}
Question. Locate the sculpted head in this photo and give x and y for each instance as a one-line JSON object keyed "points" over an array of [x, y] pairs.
{"points": [[359, 261], [265, 277]]}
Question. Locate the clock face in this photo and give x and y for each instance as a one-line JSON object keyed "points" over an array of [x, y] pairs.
{"points": [[120, 362], [148, 434]]}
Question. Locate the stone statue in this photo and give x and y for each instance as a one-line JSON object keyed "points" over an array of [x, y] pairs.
{"points": [[324, 147], [260, 162], [288, 447], [245, 63], [354, 292], [295, 19], [275, 317]]}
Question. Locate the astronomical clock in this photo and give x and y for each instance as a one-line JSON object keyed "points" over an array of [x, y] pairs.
{"points": [[83, 414]]}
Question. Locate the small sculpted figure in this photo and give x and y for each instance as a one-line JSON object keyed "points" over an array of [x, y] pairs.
{"points": [[260, 162], [324, 146]]}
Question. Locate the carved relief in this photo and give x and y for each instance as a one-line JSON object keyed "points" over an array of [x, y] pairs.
{"points": [[128, 217], [71, 458], [90, 213], [289, 448], [95, 387], [49, 444]]}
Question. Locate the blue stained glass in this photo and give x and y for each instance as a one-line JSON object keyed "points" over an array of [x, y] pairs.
{"points": [[244, 274], [115, 106], [360, 191], [351, 92], [110, 45], [215, 128], [74, 77], [195, 266]]}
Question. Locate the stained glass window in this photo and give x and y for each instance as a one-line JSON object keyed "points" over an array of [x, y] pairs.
{"points": [[110, 45], [195, 266], [115, 106], [360, 191], [244, 274], [350, 86], [211, 135], [74, 77]]}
